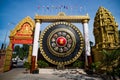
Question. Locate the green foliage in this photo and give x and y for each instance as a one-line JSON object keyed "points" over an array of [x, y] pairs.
{"points": [[25, 49], [14, 55], [42, 64], [110, 58], [111, 62], [95, 65], [78, 64], [22, 51], [16, 49], [27, 65], [117, 69]]}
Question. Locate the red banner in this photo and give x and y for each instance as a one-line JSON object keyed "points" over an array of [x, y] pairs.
{"points": [[22, 41]]}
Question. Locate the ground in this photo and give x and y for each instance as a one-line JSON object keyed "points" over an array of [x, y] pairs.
{"points": [[47, 74]]}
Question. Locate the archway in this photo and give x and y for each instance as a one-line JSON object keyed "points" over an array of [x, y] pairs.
{"points": [[22, 34]]}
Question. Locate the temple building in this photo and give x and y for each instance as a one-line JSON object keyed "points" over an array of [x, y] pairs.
{"points": [[105, 32]]}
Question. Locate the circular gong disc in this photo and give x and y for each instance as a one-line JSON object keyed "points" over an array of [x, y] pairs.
{"points": [[61, 43]]}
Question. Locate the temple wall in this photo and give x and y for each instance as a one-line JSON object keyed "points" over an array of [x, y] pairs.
{"points": [[2, 58]]}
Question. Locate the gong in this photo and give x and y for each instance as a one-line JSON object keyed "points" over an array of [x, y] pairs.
{"points": [[61, 43]]}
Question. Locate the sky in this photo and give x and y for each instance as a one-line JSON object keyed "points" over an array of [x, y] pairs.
{"points": [[13, 11]]}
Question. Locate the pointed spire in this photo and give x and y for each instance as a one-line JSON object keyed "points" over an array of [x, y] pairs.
{"points": [[105, 28], [103, 15]]}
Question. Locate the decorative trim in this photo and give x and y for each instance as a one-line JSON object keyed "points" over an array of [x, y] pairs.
{"points": [[18, 26], [38, 20], [66, 53], [62, 16], [65, 62], [85, 21]]}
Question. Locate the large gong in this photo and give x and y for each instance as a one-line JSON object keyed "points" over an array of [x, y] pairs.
{"points": [[61, 43]]}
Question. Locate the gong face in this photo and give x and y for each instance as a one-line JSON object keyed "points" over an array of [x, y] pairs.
{"points": [[61, 43]]}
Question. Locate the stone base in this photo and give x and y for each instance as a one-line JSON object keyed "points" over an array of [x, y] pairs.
{"points": [[56, 71]]}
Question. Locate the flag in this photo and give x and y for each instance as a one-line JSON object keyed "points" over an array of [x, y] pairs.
{"points": [[38, 7], [64, 7], [47, 7], [56, 7]]}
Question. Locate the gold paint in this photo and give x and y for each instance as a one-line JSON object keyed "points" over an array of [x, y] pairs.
{"points": [[105, 32], [8, 57], [62, 16], [63, 54], [105, 29], [18, 26], [66, 62], [85, 20], [30, 54], [38, 20]]}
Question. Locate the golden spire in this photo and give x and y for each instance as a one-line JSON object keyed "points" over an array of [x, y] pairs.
{"points": [[105, 29]]}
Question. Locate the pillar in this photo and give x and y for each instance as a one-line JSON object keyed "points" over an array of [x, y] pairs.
{"points": [[35, 44], [30, 54], [88, 59], [8, 56]]}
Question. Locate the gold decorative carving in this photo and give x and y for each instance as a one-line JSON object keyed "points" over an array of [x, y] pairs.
{"points": [[38, 20], [30, 54], [21, 23], [85, 21], [22, 33], [105, 29], [66, 53], [8, 57], [65, 62], [62, 16], [105, 32]]}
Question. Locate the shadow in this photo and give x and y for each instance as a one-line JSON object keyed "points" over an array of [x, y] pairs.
{"points": [[26, 72], [75, 74]]}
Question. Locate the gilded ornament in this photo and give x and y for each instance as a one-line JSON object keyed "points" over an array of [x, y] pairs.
{"points": [[53, 34]]}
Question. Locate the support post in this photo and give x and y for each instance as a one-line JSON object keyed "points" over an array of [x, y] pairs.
{"points": [[35, 44], [8, 57], [88, 59], [33, 60]]}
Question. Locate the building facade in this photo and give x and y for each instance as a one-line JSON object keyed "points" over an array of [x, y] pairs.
{"points": [[105, 32]]}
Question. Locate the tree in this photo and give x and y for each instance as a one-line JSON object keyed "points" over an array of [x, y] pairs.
{"points": [[25, 48], [23, 51], [16, 49]]}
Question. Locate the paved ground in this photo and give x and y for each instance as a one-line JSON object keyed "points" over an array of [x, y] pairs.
{"points": [[68, 74]]}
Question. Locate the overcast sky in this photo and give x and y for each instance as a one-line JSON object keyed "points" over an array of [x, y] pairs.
{"points": [[13, 11]]}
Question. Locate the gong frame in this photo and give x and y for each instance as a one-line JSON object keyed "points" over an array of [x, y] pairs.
{"points": [[84, 19]]}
